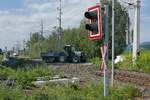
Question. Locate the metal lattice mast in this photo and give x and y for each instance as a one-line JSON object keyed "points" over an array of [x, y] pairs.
{"points": [[42, 28], [41, 36], [60, 24]]}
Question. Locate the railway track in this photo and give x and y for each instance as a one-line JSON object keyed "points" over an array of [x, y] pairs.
{"points": [[131, 77], [136, 78]]}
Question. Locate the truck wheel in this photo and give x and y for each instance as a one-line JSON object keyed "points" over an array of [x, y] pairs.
{"points": [[75, 59], [62, 58], [50, 60]]}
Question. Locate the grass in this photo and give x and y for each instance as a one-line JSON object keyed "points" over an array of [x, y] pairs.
{"points": [[96, 61], [90, 91], [7, 93], [24, 77], [141, 65]]}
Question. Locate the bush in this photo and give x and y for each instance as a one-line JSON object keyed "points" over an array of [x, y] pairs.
{"points": [[6, 72]]}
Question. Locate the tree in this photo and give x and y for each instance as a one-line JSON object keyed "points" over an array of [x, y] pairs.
{"points": [[33, 45], [121, 22]]}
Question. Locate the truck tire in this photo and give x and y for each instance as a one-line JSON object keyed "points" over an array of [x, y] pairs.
{"points": [[62, 57], [75, 59], [50, 60]]}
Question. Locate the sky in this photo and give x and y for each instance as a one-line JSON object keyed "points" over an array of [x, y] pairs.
{"points": [[20, 17]]}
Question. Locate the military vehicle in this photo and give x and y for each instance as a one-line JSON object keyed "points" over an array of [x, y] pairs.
{"points": [[68, 54]]}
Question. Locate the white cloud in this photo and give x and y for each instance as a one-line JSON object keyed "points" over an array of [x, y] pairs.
{"points": [[40, 7], [17, 24]]}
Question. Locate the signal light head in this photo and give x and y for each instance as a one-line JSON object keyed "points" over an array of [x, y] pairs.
{"points": [[91, 14], [92, 27], [95, 23]]}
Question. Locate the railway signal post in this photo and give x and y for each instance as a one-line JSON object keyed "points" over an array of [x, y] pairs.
{"points": [[105, 48], [94, 27]]}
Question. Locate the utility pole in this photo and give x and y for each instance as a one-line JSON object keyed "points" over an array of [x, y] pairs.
{"points": [[60, 24], [113, 44], [24, 47], [136, 34], [6, 49], [42, 27], [18, 46], [30, 44], [41, 36]]}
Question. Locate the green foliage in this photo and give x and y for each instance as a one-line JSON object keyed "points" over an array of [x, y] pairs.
{"points": [[144, 61], [79, 39], [142, 64], [90, 91], [96, 61], [11, 93], [121, 22], [125, 92], [34, 45], [7, 72], [24, 77], [1, 58]]}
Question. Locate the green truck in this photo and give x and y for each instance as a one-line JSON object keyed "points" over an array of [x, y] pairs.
{"points": [[68, 54]]}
